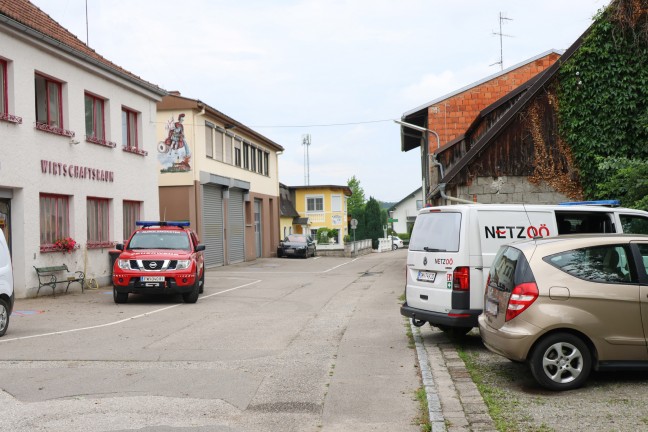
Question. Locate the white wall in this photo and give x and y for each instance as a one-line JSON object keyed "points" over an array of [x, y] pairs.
{"points": [[404, 209], [21, 176]]}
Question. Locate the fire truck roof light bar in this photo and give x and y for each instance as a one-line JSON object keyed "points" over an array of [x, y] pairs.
{"points": [[147, 224]]}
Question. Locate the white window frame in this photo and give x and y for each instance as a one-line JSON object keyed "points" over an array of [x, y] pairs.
{"points": [[316, 198]]}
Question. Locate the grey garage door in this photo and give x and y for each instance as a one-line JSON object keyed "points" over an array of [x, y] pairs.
{"points": [[236, 227], [212, 213]]}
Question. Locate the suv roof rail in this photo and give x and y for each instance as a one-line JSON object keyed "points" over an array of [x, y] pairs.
{"points": [[147, 224], [606, 203]]}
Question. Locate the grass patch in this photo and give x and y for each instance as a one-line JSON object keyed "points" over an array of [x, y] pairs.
{"points": [[424, 418]]}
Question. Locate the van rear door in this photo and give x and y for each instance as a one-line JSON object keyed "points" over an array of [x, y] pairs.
{"points": [[434, 251]]}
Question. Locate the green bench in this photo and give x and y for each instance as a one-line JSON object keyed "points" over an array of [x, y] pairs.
{"points": [[47, 276]]}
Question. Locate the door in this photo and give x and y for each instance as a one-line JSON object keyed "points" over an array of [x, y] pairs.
{"points": [[257, 228], [212, 213], [236, 227], [5, 219]]}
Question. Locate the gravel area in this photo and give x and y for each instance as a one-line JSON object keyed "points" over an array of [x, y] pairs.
{"points": [[610, 401]]}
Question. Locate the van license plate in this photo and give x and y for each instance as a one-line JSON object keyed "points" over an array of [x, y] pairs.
{"points": [[426, 276], [152, 279], [492, 308]]}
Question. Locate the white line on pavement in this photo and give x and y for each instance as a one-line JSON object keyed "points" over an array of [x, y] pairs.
{"points": [[125, 319]]}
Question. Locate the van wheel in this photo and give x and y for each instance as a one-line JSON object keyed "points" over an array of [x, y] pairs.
{"points": [[119, 297], [561, 361], [4, 316], [454, 332]]}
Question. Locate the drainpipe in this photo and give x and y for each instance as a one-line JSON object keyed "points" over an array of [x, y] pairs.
{"points": [[441, 186]]}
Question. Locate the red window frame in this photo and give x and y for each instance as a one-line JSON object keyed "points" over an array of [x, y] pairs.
{"points": [[131, 211], [61, 218], [98, 222], [58, 122], [129, 131], [96, 103], [4, 100]]}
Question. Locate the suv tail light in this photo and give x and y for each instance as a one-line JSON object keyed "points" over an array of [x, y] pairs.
{"points": [[461, 279], [522, 296]]}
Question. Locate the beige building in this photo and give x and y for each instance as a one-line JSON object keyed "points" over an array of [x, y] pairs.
{"points": [[220, 175]]}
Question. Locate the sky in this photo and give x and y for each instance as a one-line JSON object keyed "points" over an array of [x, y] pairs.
{"points": [[338, 70]]}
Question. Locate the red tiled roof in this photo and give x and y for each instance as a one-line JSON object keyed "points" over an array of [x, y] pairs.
{"points": [[24, 12]]}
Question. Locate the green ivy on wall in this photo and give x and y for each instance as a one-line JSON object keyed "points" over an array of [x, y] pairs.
{"points": [[603, 97]]}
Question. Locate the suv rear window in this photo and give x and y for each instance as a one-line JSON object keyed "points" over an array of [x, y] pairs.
{"points": [[436, 231], [634, 224], [510, 268]]}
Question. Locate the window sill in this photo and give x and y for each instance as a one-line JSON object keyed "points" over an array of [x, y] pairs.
{"points": [[101, 245], [99, 141], [10, 118], [52, 248], [54, 130], [135, 150]]}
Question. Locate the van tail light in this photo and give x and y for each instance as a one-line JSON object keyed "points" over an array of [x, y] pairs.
{"points": [[461, 279], [522, 297]]}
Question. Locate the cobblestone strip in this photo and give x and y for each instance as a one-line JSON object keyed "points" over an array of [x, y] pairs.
{"points": [[434, 404], [462, 406]]}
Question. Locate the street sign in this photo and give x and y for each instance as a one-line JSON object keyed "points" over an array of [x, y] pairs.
{"points": [[390, 220], [354, 223]]}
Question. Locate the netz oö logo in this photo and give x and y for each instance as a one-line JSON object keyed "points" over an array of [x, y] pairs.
{"points": [[446, 261]]}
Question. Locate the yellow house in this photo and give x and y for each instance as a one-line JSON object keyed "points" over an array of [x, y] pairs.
{"points": [[323, 206]]}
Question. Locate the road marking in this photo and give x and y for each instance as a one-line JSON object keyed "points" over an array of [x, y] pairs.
{"points": [[125, 319], [280, 273]]}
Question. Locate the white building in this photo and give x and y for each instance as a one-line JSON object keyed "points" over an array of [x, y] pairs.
{"points": [[78, 140], [406, 210]]}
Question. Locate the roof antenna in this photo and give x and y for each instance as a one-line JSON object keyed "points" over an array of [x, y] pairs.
{"points": [[87, 38], [501, 35]]}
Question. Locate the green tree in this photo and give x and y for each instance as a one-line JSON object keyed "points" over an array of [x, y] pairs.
{"points": [[373, 218], [357, 200], [625, 179]]}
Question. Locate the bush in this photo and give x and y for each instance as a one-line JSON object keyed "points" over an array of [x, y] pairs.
{"points": [[346, 238], [323, 235], [403, 236]]}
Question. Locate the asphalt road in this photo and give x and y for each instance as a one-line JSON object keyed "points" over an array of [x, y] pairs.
{"points": [[272, 345]]}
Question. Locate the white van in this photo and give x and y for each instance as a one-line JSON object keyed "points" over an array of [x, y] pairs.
{"points": [[452, 248], [6, 285]]}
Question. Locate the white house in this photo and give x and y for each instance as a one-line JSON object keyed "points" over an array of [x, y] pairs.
{"points": [[78, 140], [406, 210]]}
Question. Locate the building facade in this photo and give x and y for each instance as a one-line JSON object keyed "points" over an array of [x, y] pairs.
{"points": [[450, 115], [406, 210], [323, 206], [221, 176], [79, 145]]}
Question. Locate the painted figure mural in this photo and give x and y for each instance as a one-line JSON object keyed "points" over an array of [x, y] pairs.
{"points": [[174, 153]]}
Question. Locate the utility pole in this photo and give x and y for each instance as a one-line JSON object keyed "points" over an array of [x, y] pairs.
{"points": [[306, 142], [501, 36]]}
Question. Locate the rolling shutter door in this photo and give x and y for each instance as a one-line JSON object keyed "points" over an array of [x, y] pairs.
{"points": [[236, 227], [212, 214]]}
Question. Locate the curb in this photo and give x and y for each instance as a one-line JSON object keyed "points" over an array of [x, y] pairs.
{"points": [[454, 401]]}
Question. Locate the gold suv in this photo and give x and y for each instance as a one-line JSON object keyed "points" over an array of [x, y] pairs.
{"points": [[569, 304]]}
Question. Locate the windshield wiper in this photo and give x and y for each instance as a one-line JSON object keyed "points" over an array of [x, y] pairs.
{"points": [[429, 249]]}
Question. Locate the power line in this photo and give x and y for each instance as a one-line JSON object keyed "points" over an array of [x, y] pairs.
{"points": [[322, 125]]}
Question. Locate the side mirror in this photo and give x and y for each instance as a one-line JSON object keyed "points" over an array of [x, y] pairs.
{"points": [[119, 246], [200, 247]]}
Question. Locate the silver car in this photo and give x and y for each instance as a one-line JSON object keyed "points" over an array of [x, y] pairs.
{"points": [[569, 304]]}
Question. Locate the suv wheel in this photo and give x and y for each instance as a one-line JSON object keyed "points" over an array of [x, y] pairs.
{"points": [[4, 317], [119, 297], [202, 283], [192, 296], [561, 361]]}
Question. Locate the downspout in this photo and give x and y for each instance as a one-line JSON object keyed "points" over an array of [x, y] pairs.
{"points": [[441, 186]]}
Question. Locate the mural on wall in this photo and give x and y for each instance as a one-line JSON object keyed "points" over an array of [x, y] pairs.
{"points": [[174, 153]]}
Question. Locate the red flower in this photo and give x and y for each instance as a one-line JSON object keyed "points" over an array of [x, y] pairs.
{"points": [[66, 244]]}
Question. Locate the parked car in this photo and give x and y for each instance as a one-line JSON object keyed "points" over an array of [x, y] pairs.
{"points": [[396, 242], [569, 304], [160, 258], [6, 285], [296, 245]]}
